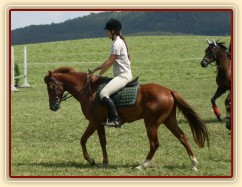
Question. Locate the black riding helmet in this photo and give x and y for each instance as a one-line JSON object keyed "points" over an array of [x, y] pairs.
{"points": [[113, 24]]}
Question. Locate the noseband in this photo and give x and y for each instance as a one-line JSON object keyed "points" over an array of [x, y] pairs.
{"points": [[208, 60]]}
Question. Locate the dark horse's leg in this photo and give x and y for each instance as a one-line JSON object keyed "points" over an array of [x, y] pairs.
{"points": [[220, 91], [228, 112], [89, 131]]}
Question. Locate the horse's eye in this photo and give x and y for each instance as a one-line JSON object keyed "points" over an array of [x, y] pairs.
{"points": [[210, 52]]}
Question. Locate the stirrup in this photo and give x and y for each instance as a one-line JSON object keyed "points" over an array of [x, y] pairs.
{"points": [[116, 124]]}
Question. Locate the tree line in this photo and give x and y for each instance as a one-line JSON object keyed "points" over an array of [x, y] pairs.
{"points": [[212, 23]]}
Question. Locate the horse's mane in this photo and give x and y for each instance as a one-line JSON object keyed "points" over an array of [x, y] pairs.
{"points": [[64, 70], [69, 70], [220, 44]]}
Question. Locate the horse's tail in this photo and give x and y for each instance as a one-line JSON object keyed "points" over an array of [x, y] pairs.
{"points": [[197, 125]]}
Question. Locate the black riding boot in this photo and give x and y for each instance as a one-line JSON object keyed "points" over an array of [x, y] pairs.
{"points": [[113, 118]]}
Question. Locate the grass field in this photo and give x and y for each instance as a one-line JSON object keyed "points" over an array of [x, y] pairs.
{"points": [[46, 143]]}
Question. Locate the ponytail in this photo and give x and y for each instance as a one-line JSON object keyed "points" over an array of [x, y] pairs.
{"points": [[119, 34], [125, 44]]}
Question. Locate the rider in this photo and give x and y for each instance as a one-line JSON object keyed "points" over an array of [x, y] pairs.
{"points": [[120, 60]]}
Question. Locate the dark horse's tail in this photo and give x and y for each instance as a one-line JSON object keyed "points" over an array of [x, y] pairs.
{"points": [[197, 125]]}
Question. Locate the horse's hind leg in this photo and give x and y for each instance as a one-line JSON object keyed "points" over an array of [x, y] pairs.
{"points": [[171, 124], [220, 91], [228, 112], [154, 144]]}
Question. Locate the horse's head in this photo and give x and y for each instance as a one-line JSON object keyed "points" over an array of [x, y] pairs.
{"points": [[210, 53], [216, 51], [55, 91]]}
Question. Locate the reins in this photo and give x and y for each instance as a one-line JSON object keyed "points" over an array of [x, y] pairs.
{"points": [[65, 97], [68, 95]]}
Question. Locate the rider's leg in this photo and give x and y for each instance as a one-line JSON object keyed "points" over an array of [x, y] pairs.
{"points": [[116, 84], [113, 119]]}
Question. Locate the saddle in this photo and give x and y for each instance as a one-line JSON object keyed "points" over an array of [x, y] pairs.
{"points": [[124, 97]]}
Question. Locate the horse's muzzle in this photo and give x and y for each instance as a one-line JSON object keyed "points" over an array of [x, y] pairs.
{"points": [[53, 108], [56, 105], [204, 63]]}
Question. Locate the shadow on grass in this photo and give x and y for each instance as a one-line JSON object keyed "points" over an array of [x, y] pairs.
{"points": [[96, 166], [63, 164], [172, 167]]}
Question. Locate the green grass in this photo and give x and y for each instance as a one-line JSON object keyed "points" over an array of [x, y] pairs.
{"points": [[46, 143]]}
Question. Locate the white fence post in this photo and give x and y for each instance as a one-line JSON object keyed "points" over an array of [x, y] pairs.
{"points": [[13, 88], [25, 84]]}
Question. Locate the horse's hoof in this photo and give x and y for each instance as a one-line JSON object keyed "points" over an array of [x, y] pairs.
{"points": [[146, 164], [91, 161], [194, 168], [139, 167], [104, 165], [228, 126], [220, 118]]}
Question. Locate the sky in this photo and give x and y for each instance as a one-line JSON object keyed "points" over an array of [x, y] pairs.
{"points": [[26, 18]]}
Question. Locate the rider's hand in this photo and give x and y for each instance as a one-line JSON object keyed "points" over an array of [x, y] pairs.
{"points": [[94, 78], [91, 71]]}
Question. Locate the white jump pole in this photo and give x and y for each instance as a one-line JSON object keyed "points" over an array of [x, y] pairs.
{"points": [[13, 88], [25, 84]]}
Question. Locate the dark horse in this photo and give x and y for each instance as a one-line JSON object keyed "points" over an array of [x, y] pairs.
{"points": [[155, 104], [218, 53]]}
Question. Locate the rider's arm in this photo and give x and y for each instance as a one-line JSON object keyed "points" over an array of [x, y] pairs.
{"points": [[105, 66]]}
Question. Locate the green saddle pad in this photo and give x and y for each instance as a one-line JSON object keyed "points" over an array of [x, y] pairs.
{"points": [[124, 97]]}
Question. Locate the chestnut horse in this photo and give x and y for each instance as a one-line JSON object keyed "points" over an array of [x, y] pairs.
{"points": [[154, 103], [218, 53]]}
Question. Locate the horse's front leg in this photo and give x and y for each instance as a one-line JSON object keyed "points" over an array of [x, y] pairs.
{"points": [[220, 91], [89, 131], [103, 143]]}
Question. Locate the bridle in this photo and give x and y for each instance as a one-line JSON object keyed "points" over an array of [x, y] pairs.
{"points": [[66, 96], [211, 61]]}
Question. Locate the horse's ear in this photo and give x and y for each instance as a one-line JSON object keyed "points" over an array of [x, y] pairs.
{"points": [[50, 74], [208, 41], [47, 77], [215, 44]]}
